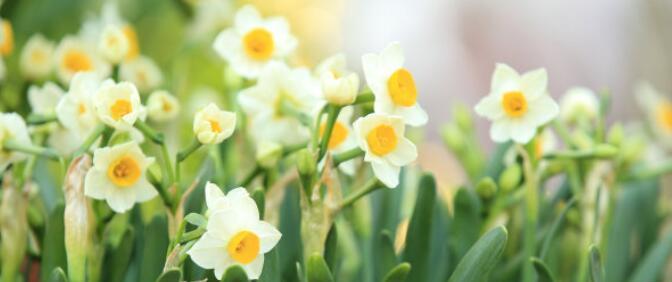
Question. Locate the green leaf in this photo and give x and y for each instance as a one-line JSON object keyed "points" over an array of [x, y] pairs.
{"points": [[420, 228], [260, 199], [57, 275], [466, 226], [399, 273], [482, 257], [290, 248], [117, 263], [596, 270], [385, 256], [554, 228], [196, 219], [653, 264], [53, 254], [171, 275], [317, 269], [331, 247], [154, 248], [544, 274], [235, 274], [271, 271]]}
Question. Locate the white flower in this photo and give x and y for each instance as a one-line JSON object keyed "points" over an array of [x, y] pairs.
{"points": [[517, 104], [342, 138], [268, 153], [109, 15], [339, 86], [143, 72], [579, 103], [43, 100], [212, 125], [113, 44], [210, 16], [161, 106], [36, 57], [75, 110], [118, 176], [393, 85], [658, 110], [12, 127], [253, 42], [73, 55], [382, 139], [235, 235], [277, 89], [118, 104]]}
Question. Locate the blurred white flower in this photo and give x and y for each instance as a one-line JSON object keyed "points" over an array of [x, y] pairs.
{"points": [[393, 85], [118, 104], [36, 60], [253, 42], [517, 104], [268, 153], [75, 110], [342, 138], [43, 100], [143, 72], [73, 55], [277, 89], [339, 86], [579, 103], [109, 15], [12, 127], [382, 139], [212, 125], [235, 235], [113, 44], [658, 110], [210, 16], [118, 176], [162, 106]]}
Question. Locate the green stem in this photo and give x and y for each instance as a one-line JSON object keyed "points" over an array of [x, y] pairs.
{"points": [[90, 140], [318, 124], [364, 97], [369, 187], [182, 155], [251, 176], [13, 145], [531, 214], [290, 149], [332, 115], [167, 164], [347, 155], [37, 119], [149, 132], [192, 235]]}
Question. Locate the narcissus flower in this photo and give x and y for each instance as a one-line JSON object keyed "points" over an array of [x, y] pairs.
{"points": [[118, 104], [339, 86], [658, 109], [6, 38], [342, 138], [12, 127], [382, 139], [212, 125], [253, 42], [118, 176], [161, 106], [113, 44], [73, 55], [75, 110], [43, 100], [517, 104], [235, 235], [143, 72], [579, 103], [393, 85], [36, 60]]}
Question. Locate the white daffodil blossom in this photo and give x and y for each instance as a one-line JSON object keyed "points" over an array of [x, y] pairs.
{"points": [[234, 235], [212, 125], [12, 127], [74, 55], [94, 26], [339, 86], [36, 61], [118, 176], [266, 103], [579, 103], [658, 110], [253, 42], [517, 104], [118, 104], [7, 38], [393, 85], [75, 110], [210, 16], [382, 139], [342, 138], [43, 100], [143, 72], [113, 44], [162, 106]]}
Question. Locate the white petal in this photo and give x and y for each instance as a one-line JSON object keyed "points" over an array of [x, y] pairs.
{"points": [[96, 185], [227, 44], [522, 130], [490, 107], [268, 236], [208, 251], [225, 223], [413, 116], [392, 58], [499, 131], [534, 83], [144, 191], [543, 109], [503, 77], [371, 64], [386, 173], [404, 154], [212, 195], [120, 200], [246, 17], [254, 268]]}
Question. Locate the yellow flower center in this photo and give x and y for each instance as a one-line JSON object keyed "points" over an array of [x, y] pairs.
{"points": [[7, 42], [124, 171], [665, 115], [167, 107], [402, 88], [382, 140], [39, 56], [215, 126], [76, 60], [338, 134], [132, 37], [259, 44], [244, 247], [120, 108], [514, 103], [81, 109]]}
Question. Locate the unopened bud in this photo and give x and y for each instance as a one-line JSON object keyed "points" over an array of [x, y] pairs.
{"points": [[486, 188], [78, 219], [616, 134], [305, 162], [14, 229], [462, 116], [510, 177], [268, 154], [453, 137]]}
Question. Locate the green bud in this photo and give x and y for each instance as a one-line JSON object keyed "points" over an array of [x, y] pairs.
{"points": [[616, 134], [232, 79], [486, 188], [582, 140], [305, 162], [268, 154], [453, 138], [605, 151], [462, 116], [510, 177]]}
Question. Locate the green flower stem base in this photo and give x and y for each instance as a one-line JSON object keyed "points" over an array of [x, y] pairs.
{"points": [[150, 133], [369, 187]]}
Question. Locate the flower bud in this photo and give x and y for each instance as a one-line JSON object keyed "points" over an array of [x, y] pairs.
{"points": [[452, 136], [212, 125], [268, 154], [339, 91], [36, 61], [305, 162], [161, 106], [113, 44], [579, 103], [14, 229], [510, 177], [486, 188], [616, 134], [78, 219], [462, 116]]}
